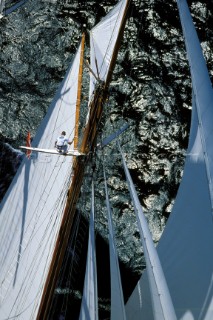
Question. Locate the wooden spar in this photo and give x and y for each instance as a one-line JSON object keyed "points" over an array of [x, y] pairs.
{"points": [[62, 241], [96, 105], [79, 165], [79, 93], [96, 64], [93, 73]]}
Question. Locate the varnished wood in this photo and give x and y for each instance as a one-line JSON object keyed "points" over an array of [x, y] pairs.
{"points": [[87, 146], [78, 103]]}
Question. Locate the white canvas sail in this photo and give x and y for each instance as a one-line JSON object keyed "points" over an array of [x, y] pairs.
{"points": [[117, 300], [186, 247], [89, 304], [162, 305], [103, 38], [31, 211]]}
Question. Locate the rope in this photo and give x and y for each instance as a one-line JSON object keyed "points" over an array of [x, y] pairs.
{"points": [[61, 199], [70, 282], [108, 46]]}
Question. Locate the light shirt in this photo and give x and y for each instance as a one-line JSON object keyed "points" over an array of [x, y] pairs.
{"points": [[62, 141]]}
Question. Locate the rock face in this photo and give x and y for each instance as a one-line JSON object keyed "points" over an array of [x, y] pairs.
{"points": [[151, 90]]}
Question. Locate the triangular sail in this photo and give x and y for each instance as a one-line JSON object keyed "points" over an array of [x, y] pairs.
{"points": [[202, 87], [186, 246], [89, 304], [104, 43], [103, 38], [161, 301], [117, 301], [31, 211]]}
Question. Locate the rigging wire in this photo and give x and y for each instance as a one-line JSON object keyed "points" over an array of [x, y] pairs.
{"points": [[42, 210], [44, 189], [56, 206], [111, 38], [74, 245]]}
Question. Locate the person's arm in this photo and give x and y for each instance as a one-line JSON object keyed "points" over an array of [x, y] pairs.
{"points": [[70, 142]]}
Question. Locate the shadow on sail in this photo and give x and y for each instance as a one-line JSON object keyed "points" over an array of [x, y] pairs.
{"points": [[25, 200], [38, 210], [32, 208]]}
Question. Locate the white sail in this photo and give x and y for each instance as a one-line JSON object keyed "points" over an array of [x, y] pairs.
{"points": [[89, 304], [31, 211], [162, 305], [102, 43], [117, 300], [186, 246]]}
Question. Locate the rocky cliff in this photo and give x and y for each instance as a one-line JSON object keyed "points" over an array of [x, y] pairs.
{"points": [[150, 90]]}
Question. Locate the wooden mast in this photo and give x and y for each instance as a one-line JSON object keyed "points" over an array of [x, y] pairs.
{"points": [[79, 165], [100, 95], [78, 104], [67, 219]]}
